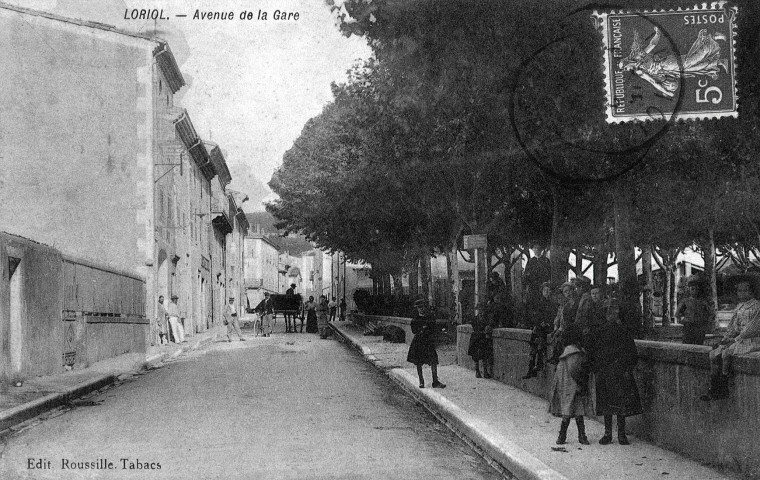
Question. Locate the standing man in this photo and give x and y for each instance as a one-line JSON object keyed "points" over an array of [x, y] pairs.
{"points": [[178, 331], [231, 320], [290, 295], [161, 322], [333, 306], [538, 270], [266, 310]]}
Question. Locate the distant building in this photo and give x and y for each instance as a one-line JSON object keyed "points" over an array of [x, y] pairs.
{"points": [[261, 267]]}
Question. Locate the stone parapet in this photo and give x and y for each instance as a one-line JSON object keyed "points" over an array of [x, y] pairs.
{"points": [[402, 322], [670, 377]]}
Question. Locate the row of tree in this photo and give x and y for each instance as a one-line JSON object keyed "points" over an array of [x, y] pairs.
{"points": [[488, 118]]}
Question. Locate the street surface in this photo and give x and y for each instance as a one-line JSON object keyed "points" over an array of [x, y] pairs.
{"points": [[288, 406]]}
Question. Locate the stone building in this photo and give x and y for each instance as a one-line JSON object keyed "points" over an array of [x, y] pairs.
{"points": [[103, 169], [261, 262]]}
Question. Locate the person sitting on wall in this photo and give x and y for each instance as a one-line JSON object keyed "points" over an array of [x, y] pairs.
{"points": [[592, 315], [742, 336], [495, 285], [566, 313], [542, 315], [537, 271], [695, 313]]}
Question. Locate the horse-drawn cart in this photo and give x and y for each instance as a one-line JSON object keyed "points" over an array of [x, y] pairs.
{"points": [[287, 304]]}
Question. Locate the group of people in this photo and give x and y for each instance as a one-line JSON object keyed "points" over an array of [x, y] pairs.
{"points": [[595, 352], [316, 314], [595, 356], [170, 327]]}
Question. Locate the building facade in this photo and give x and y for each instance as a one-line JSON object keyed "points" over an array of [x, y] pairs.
{"points": [[261, 267], [103, 168]]}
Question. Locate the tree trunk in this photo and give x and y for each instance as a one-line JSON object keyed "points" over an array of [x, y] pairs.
{"points": [[558, 255], [675, 275], [425, 277], [630, 308], [600, 265], [398, 292], [708, 255], [456, 307], [481, 273], [646, 268], [429, 276], [666, 294], [414, 278]]}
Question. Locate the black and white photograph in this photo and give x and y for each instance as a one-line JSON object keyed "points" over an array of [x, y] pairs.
{"points": [[379, 239]]}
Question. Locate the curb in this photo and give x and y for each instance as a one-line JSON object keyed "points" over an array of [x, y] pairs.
{"points": [[508, 458], [514, 460], [21, 413]]}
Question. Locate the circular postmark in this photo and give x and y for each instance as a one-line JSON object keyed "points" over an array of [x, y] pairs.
{"points": [[558, 98]]}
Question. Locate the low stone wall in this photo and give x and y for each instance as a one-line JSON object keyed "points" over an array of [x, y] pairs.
{"points": [[404, 323], [671, 377]]}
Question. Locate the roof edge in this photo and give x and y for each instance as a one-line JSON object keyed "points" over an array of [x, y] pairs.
{"points": [[83, 23]]}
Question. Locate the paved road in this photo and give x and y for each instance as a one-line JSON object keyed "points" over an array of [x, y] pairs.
{"points": [[288, 406]]}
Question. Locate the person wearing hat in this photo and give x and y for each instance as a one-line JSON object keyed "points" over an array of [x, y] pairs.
{"points": [[742, 337], [566, 313], [583, 292], [311, 316], [172, 311], [542, 315], [537, 270], [161, 322], [422, 349], [265, 309], [695, 313], [322, 316], [291, 294], [231, 320], [333, 306]]}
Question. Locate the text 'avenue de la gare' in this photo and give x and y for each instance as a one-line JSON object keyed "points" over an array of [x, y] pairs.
{"points": [[159, 14]]}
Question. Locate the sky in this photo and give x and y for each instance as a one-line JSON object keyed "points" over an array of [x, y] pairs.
{"points": [[252, 84]]}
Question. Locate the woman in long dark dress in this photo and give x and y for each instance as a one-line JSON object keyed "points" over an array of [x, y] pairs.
{"points": [[311, 316], [422, 349], [613, 360]]}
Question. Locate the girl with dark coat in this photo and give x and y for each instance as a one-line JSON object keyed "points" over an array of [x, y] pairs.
{"points": [[481, 347], [422, 349], [614, 359]]}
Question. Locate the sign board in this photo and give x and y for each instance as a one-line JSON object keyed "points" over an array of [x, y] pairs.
{"points": [[475, 241]]}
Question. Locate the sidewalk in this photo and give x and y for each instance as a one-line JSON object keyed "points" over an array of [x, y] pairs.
{"points": [[513, 429], [40, 394]]}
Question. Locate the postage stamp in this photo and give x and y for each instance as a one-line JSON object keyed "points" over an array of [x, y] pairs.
{"points": [[658, 64]]}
